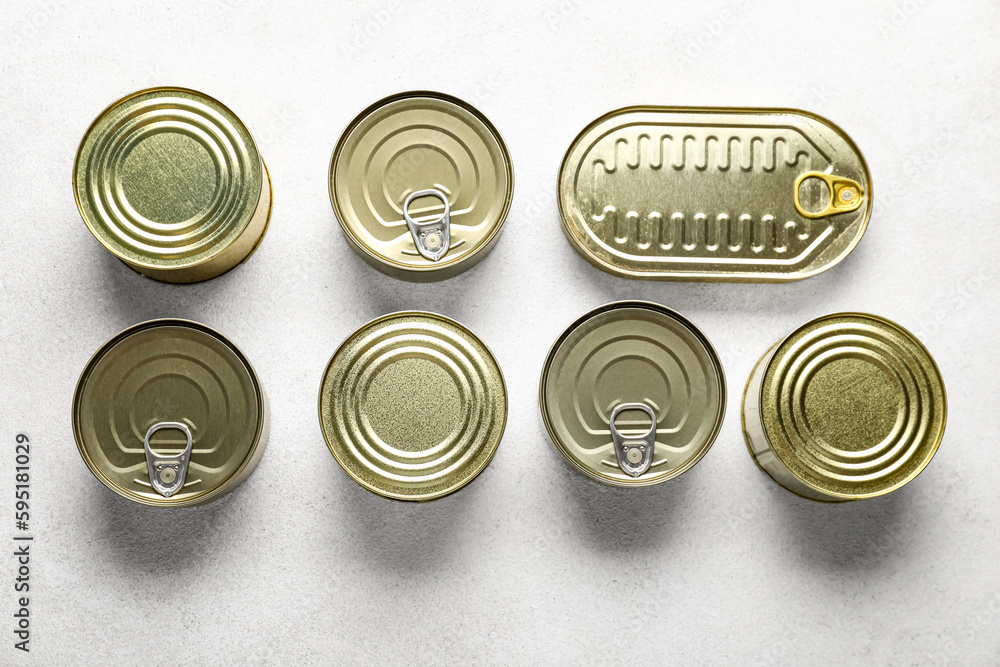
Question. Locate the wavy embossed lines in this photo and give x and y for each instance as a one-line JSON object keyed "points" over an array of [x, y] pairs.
{"points": [[655, 232], [700, 152]]}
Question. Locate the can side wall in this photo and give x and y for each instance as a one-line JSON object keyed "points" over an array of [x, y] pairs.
{"points": [[757, 441]]}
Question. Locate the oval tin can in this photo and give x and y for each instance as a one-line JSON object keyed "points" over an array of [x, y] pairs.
{"points": [[170, 413], [169, 180], [421, 184], [846, 407], [714, 194], [413, 406], [632, 394]]}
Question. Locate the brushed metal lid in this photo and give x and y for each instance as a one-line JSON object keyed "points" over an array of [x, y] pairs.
{"points": [[178, 374], [413, 406], [168, 179], [852, 405], [624, 355], [417, 142]]}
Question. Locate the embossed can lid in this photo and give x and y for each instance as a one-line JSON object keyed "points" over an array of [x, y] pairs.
{"points": [[169, 180], [852, 405], [170, 413], [632, 394], [438, 148], [413, 406], [714, 194]]}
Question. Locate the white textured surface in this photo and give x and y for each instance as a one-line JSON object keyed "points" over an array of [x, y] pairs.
{"points": [[532, 563]]}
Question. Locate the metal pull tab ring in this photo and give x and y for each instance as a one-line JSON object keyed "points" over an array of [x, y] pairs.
{"points": [[432, 238], [845, 195], [635, 453], [167, 471]]}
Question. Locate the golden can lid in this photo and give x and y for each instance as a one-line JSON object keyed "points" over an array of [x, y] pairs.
{"points": [[848, 406], [170, 181], [413, 406], [632, 394], [421, 184], [170, 413], [714, 194]]}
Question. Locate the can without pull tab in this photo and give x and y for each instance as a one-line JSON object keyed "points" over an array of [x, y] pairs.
{"points": [[847, 406], [421, 184], [159, 380], [714, 194], [413, 406], [169, 180], [632, 394]]}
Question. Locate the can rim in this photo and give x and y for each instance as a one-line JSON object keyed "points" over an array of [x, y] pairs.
{"points": [[670, 312], [684, 276], [139, 264], [237, 474], [428, 496], [834, 495], [357, 243]]}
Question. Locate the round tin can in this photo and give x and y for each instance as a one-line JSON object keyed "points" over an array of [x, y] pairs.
{"points": [[632, 394], [170, 413], [847, 406], [413, 406], [169, 180], [421, 184]]}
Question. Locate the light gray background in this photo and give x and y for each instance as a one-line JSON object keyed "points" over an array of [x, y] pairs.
{"points": [[532, 563]]}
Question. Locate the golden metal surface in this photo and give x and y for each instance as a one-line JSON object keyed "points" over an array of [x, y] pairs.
{"points": [[170, 181], [679, 193], [632, 352], [420, 141], [413, 406], [848, 406], [170, 371]]}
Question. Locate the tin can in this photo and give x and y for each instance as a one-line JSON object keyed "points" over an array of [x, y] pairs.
{"points": [[421, 184], [847, 406], [170, 181], [632, 394], [170, 413], [714, 194], [413, 406]]}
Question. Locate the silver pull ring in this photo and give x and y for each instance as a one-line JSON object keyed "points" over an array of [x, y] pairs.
{"points": [[167, 471], [635, 453], [432, 238]]}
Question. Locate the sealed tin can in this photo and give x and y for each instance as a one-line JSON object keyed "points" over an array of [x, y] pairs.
{"points": [[413, 406], [632, 394], [170, 181], [170, 413], [847, 406], [714, 194], [421, 184]]}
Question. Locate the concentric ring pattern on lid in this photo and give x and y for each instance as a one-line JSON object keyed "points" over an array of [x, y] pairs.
{"points": [[170, 372], [852, 405], [169, 179], [413, 406], [632, 352], [414, 142]]}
